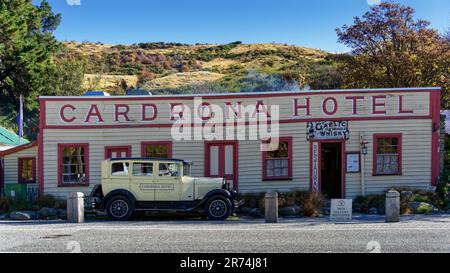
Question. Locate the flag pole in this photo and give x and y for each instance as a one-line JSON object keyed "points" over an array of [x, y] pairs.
{"points": [[20, 121]]}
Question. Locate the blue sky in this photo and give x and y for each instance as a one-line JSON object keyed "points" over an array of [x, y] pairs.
{"points": [[307, 23]]}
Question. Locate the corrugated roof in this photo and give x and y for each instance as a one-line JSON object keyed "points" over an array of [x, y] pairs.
{"points": [[8, 138]]}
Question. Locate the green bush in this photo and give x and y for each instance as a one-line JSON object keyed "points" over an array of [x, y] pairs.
{"points": [[5, 204], [47, 201], [21, 204], [370, 201], [424, 209], [421, 198]]}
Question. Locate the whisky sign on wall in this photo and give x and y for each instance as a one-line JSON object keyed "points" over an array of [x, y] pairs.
{"points": [[323, 130]]}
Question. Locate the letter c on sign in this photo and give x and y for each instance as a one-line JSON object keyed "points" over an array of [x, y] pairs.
{"points": [[61, 113], [325, 108]]}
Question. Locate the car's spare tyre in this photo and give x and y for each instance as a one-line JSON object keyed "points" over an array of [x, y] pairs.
{"points": [[218, 208], [119, 208]]}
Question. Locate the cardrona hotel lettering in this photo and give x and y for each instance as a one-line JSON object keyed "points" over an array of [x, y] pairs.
{"points": [[301, 108]]}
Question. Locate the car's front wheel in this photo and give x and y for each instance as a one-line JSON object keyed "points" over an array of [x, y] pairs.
{"points": [[119, 208], [218, 208]]}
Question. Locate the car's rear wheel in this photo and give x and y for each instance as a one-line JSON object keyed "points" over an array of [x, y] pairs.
{"points": [[218, 208], [119, 208]]}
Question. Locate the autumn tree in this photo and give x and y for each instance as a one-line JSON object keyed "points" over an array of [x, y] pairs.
{"points": [[392, 49]]}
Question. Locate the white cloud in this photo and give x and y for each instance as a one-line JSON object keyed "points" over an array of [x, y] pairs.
{"points": [[373, 2], [74, 2]]}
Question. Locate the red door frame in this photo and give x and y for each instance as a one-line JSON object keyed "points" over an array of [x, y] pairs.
{"points": [[343, 163], [110, 149], [235, 144]]}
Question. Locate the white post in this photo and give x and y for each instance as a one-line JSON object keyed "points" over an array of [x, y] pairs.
{"points": [[75, 207], [271, 207], [362, 163], [392, 206], [363, 181]]}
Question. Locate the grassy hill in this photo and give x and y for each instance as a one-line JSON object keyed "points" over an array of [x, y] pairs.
{"points": [[183, 68]]}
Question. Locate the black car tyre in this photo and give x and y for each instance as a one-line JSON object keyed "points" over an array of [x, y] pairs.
{"points": [[119, 208], [218, 208]]}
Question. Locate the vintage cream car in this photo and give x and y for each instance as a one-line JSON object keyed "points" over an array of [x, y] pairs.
{"points": [[156, 184]]}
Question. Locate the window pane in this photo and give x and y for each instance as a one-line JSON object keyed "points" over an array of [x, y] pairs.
{"points": [[27, 172], [73, 171], [387, 145], [169, 169], [119, 169], [158, 151], [281, 152], [143, 169], [278, 163], [269, 164], [277, 172], [387, 164]]}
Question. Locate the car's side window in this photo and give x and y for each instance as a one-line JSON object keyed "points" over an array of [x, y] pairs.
{"points": [[119, 169], [169, 169], [143, 169]]}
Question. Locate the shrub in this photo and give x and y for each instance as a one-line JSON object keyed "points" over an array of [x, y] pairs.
{"points": [[5, 204], [21, 204], [44, 201], [313, 204], [424, 209], [370, 201], [421, 198]]}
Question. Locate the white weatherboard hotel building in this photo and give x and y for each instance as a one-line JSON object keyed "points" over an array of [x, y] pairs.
{"points": [[342, 143]]}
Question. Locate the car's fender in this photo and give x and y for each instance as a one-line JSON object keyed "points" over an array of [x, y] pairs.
{"points": [[118, 192], [214, 192]]}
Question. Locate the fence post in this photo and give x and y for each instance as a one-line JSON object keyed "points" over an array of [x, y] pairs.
{"points": [[271, 207], [392, 206], [75, 207]]}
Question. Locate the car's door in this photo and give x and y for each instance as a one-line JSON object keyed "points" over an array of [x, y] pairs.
{"points": [[142, 180], [118, 177], [168, 181]]}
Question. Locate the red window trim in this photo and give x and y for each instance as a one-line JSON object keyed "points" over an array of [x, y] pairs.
{"points": [[264, 167], [61, 146], [400, 153], [20, 167], [108, 148], [147, 143]]}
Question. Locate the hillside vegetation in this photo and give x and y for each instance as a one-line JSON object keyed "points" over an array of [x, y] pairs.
{"points": [[203, 68]]}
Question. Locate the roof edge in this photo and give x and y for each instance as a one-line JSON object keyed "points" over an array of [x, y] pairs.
{"points": [[19, 148], [252, 93]]}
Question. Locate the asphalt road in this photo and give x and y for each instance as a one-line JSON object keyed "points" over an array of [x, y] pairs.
{"points": [[365, 234]]}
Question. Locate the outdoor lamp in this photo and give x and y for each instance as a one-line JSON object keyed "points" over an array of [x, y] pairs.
{"points": [[364, 148]]}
